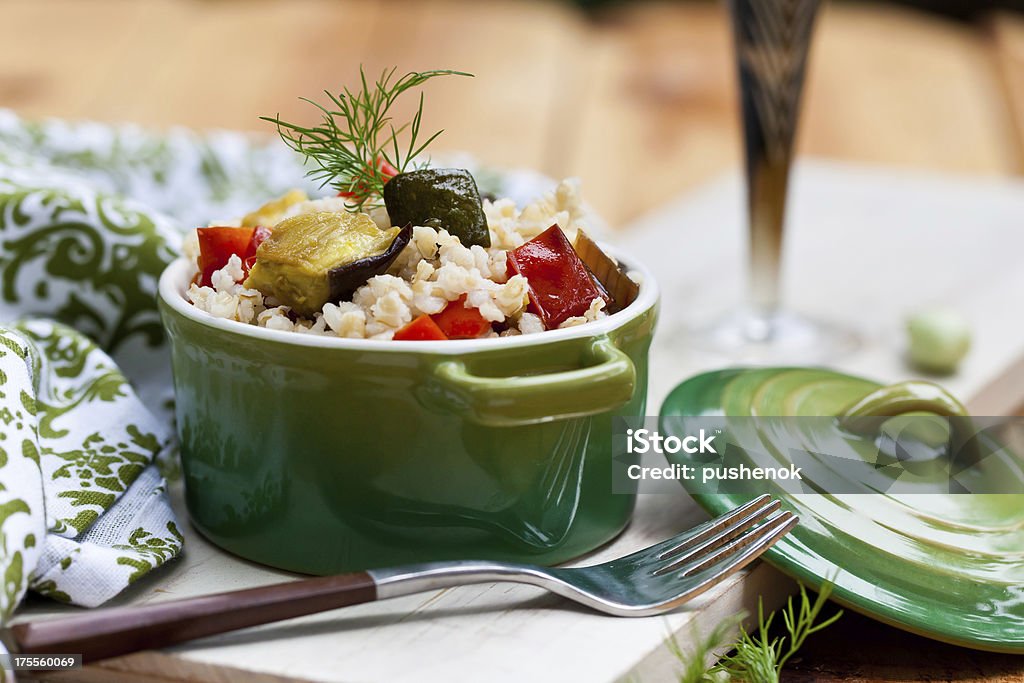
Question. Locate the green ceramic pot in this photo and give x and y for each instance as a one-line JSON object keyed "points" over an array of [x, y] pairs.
{"points": [[325, 455]]}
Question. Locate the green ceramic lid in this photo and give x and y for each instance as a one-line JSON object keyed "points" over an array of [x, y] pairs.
{"points": [[947, 566]]}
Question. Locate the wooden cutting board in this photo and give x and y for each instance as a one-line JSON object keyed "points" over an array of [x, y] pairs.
{"points": [[865, 247]]}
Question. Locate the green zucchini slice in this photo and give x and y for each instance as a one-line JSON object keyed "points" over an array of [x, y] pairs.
{"points": [[444, 197]]}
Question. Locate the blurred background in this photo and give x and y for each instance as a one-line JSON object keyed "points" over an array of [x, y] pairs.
{"points": [[636, 98]]}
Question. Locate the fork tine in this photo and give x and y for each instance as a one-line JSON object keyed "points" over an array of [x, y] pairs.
{"points": [[702, 532], [707, 542], [773, 529], [718, 570]]}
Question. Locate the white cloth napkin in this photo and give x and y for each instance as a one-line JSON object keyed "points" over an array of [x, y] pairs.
{"points": [[90, 506]]}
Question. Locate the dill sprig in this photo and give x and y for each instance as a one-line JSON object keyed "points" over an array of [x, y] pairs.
{"points": [[757, 658], [701, 649], [356, 147], [761, 658]]}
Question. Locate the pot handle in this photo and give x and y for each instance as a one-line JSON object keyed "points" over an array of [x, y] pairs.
{"points": [[899, 399], [606, 382], [867, 414]]}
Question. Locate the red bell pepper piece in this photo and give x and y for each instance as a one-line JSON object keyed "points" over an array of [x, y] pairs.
{"points": [[458, 322], [560, 286], [258, 235], [386, 170], [216, 246], [422, 328]]}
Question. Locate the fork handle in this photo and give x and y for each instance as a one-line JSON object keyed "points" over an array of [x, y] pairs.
{"points": [[121, 630]]}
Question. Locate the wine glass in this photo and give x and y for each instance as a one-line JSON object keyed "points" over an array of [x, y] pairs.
{"points": [[771, 40]]}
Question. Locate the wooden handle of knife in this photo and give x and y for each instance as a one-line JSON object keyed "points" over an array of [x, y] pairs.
{"points": [[121, 630]]}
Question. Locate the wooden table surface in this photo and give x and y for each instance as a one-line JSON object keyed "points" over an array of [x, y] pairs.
{"points": [[639, 102]]}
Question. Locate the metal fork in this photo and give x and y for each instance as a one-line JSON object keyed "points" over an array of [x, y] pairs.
{"points": [[651, 581]]}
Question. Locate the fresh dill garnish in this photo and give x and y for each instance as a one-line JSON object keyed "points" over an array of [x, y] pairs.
{"points": [[760, 658], [701, 649], [356, 147], [757, 658]]}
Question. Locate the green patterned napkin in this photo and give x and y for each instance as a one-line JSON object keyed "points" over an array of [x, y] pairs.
{"points": [[86, 513], [89, 216]]}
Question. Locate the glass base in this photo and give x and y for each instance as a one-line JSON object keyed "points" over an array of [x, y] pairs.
{"points": [[774, 338]]}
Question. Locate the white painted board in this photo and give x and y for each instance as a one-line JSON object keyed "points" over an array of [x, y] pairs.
{"points": [[865, 247]]}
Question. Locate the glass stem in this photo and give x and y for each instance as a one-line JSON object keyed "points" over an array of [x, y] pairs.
{"points": [[766, 209], [771, 40]]}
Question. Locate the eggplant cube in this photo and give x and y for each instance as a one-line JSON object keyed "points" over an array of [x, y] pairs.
{"points": [[314, 258]]}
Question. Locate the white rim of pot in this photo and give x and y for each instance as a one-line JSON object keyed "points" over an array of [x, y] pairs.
{"points": [[175, 278]]}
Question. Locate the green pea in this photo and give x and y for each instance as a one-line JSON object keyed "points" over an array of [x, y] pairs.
{"points": [[939, 339]]}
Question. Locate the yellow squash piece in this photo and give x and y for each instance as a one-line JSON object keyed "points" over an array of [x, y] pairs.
{"points": [[271, 213]]}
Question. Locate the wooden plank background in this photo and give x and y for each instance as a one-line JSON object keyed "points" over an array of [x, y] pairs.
{"points": [[638, 101]]}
